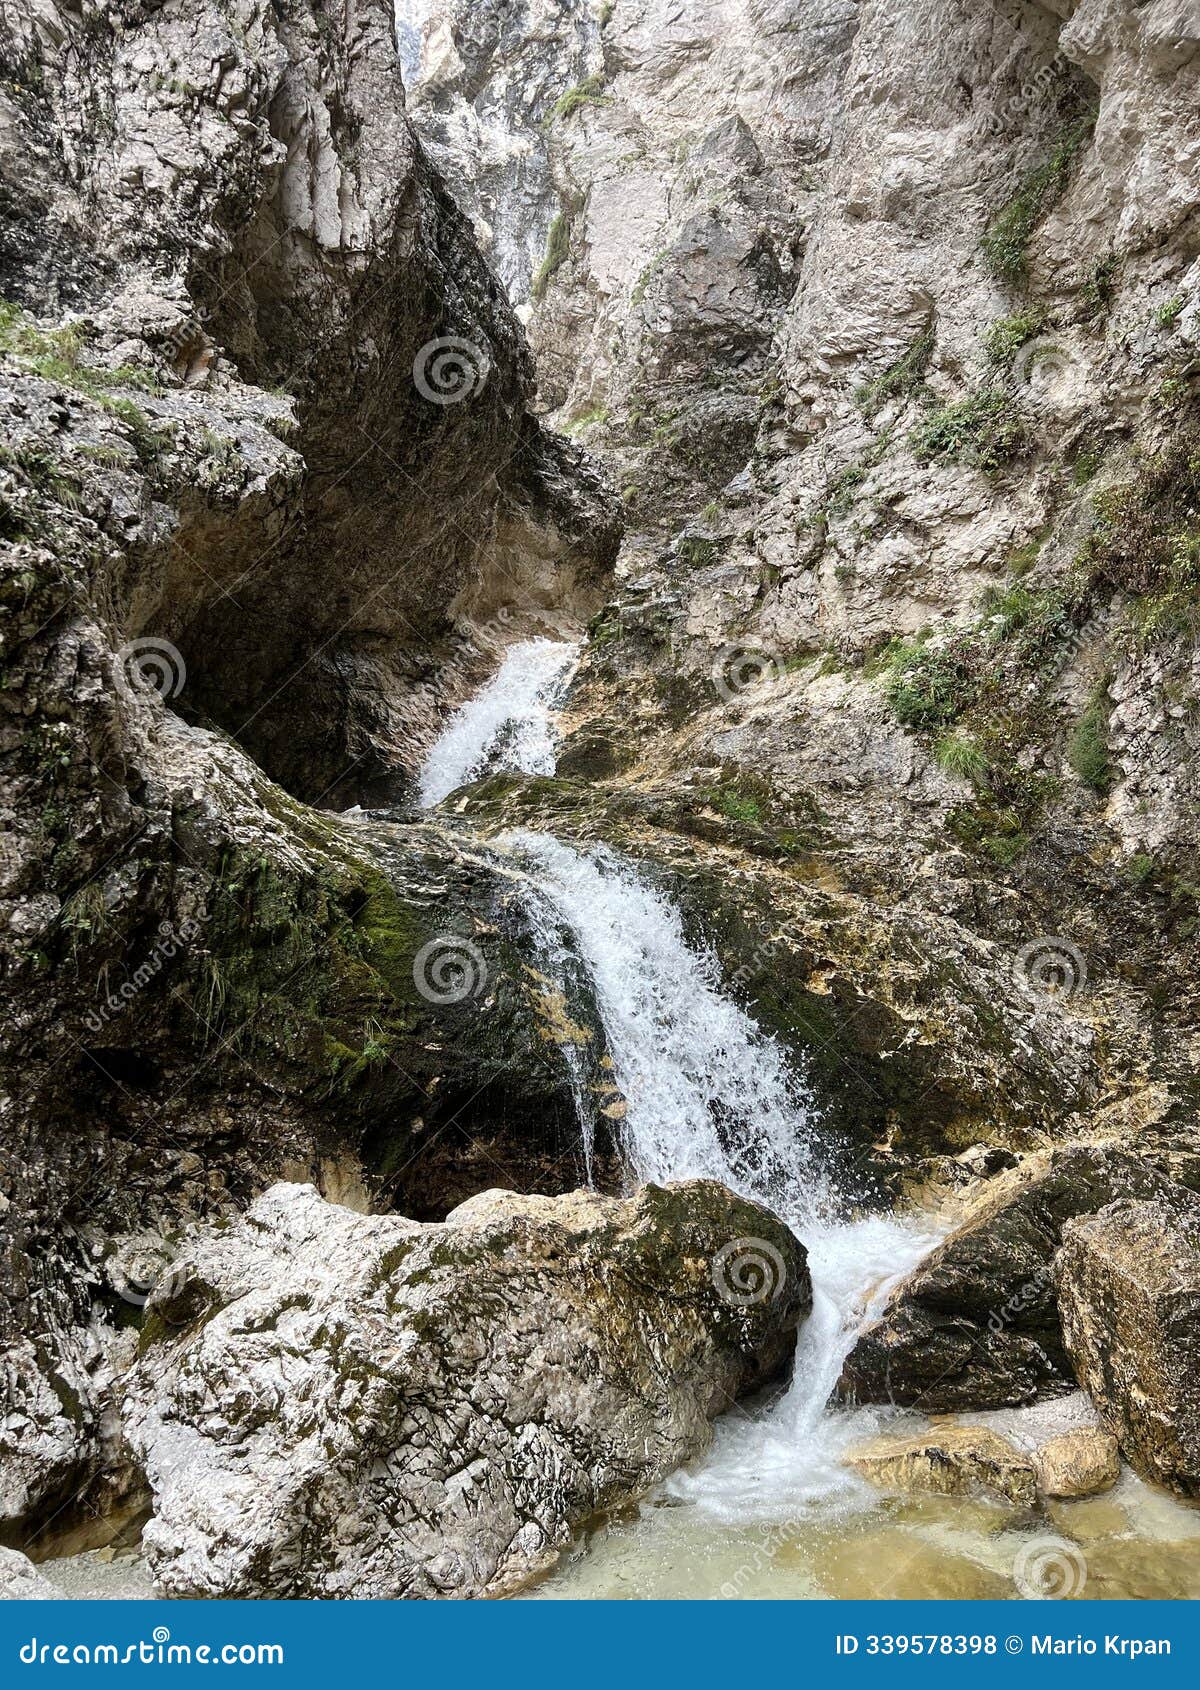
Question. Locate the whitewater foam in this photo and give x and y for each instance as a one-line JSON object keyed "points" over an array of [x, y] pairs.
{"points": [[507, 725]]}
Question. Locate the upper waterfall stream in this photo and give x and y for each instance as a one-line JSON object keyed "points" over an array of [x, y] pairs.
{"points": [[506, 724]]}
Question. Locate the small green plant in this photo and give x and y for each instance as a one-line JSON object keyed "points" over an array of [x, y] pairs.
{"points": [[1007, 335], [638, 291], [592, 417], [985, 430], [1100, 289], [1087, 752], [925, 689], [1139, 868], [731, 801], [558, 246], [697, 552], [1087, 463], [1167, 314], [1008, 235], [959, 754], [900, 380], [589, 92]]}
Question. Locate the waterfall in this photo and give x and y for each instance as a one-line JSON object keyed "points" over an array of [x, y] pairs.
{"points": [[707, 1094], [508, 725]]}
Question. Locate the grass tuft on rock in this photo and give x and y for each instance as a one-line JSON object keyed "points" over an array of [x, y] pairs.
{"points": [[1087, 752], [985, 431], [901, 380], [1006, 242]]}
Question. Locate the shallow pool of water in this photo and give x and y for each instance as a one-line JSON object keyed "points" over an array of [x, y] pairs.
{"points": [[1132, 1542]]}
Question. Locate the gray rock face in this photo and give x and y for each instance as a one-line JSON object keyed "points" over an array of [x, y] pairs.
{"points": [[794, 237], [1129, 1294], [336, 1405], [269, 468], [20, 1580], [976, 1325]]}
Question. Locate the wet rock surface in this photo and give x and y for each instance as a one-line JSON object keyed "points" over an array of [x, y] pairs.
{"points": [[1129, 1293], [329, 1404], [948, 1461], [976, 1325]]}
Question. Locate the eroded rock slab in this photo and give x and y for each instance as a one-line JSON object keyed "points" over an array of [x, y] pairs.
{"points": [[1129, 1293], [976, 1324], [948, 1461], [1078, 1463], [20, 1580], [338, 1405]]}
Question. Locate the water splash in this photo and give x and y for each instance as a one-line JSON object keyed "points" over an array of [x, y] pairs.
{"points": [[507, 725], [707, 1093]]}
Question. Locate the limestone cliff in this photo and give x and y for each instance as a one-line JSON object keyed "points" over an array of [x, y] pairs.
{"points": [[885, 319], [270, 487]]}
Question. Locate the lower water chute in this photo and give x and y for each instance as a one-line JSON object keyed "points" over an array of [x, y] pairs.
{"points": [[709, 1095]]}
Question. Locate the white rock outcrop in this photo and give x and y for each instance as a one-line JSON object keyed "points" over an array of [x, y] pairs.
{"points": [[336, 1405]]}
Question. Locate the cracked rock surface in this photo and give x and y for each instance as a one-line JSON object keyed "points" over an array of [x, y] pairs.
{"points": [[337, 1405]]}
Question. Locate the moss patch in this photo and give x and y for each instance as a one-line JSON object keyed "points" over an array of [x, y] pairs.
{"points": [[1006, 242]]}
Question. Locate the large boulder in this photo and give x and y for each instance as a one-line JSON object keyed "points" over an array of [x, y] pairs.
{"points": [[1129, 1295], [976, 1325], [338, 1405]]}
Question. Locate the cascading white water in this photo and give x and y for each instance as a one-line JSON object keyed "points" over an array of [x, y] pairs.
{"points": [[709, 1095], [706, 1093], [509, 724]]}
